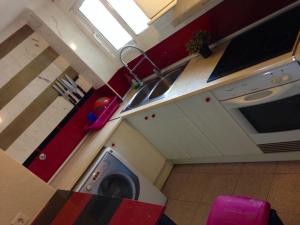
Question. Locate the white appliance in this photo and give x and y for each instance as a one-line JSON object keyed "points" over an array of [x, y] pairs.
{"points": [[267, 107], [111, 175]]}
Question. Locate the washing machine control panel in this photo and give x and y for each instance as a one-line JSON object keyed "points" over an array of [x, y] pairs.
{"points": [[88, 187]]}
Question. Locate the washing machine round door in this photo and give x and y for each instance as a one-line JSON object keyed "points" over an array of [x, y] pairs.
{"points": [[117, 185]]}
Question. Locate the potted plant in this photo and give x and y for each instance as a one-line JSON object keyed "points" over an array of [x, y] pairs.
{"points": [[199, 44]]}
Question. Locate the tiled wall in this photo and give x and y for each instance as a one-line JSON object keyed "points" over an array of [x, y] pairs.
{"points": [[30, 109], [226, 18]]}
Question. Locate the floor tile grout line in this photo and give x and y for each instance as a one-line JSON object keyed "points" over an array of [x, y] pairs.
{"points": [[271, 187], [194, 214], [237, 183]]}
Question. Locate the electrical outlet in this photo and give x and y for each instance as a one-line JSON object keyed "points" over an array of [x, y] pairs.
{"points": [[20, 219]]}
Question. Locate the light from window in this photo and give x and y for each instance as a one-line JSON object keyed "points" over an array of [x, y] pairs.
{"points": [[105, 23], [131, 14]]}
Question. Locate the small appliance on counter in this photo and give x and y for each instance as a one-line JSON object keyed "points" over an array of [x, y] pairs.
{"points": [[110, 175], [268, 40]]}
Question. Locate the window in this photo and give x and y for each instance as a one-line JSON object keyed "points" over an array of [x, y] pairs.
{"points": [[118, 21], [131, 13]]}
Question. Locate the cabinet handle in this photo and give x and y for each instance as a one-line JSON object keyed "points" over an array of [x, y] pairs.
{"points": [[207, 99], [153, 115], [42, 156], [146, 118]]}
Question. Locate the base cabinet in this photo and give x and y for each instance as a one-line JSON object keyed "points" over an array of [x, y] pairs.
{"points": [[221, 129], [173, 133], [194, 128]]}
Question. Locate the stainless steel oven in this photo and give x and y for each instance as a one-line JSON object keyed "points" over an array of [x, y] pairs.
{"points": [[267, 107]]}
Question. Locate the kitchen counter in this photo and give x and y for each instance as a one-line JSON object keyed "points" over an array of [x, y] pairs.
{"points": [[192, 81]]}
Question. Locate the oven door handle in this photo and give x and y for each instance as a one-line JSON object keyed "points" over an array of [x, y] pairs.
{"points": [[265, 96]]}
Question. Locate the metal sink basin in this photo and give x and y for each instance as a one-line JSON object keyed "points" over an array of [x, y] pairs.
{"points": [[142, 94], [155, 89], [164, 84]]}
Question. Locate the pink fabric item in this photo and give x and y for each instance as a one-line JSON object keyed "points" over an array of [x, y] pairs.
{"points": [[234, 210]]}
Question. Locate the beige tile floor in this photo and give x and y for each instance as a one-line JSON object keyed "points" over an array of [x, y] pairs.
{"points": [[192, 188]]}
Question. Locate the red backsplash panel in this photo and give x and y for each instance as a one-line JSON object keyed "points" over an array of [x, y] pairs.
{"points": [[119, 81], [226, 18], [67, 139]]}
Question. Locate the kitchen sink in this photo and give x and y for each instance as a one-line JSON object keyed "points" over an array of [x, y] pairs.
{"points": [[155, 89], [164, 84], [142, 94]]}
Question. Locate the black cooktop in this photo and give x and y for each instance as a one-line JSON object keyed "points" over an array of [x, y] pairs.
{"points": [[268, 40]]}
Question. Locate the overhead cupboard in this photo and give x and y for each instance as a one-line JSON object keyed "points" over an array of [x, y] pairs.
{"points": [[183, 9], [154, 8], [196, 127]]}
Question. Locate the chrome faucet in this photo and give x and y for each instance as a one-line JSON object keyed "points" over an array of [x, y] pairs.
{"points": [[156, 70]]}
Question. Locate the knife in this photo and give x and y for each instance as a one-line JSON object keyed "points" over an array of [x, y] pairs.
{"points": [[71, 88], [64, 94], [65, 89], [75, 84]]}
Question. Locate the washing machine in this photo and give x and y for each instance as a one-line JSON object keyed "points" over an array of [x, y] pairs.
{"points": [[111, 175]]}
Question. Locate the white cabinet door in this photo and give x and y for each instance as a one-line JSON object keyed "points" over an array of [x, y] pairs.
{"points": [[216, 123], [172, 133], [153, 7], [138, 151]]}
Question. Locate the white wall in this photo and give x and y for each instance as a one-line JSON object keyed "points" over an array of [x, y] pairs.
{"points": [[156, 32], [10, 65], [10, 10], [61, 29], [9, 30], [62, 33]]}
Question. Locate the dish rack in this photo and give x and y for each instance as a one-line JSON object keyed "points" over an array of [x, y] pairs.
{"points": [[104, 116]]}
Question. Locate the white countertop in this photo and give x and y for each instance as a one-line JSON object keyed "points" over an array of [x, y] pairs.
{"points": [[193, 79]]}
